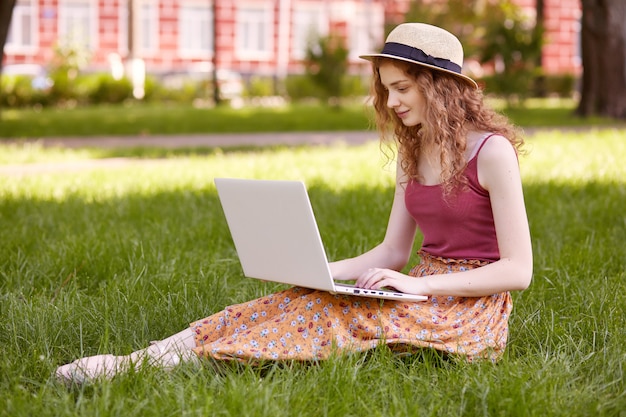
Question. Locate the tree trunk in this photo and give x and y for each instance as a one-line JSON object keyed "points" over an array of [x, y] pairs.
{"points": [[217, 100], [540, 80], [6, 11], [603, 58]]}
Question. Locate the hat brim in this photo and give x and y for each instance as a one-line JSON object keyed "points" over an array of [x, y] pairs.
{"points": [[370, 57]]}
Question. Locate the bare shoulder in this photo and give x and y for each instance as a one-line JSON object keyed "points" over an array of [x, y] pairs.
{"points": [[497, 146], [497, 160]]}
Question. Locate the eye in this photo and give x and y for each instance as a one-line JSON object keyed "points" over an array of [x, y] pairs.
{"points": [[402, 88]]}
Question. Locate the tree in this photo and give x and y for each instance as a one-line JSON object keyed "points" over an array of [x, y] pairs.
{"points": [[513, 42], [603, 91], [327, 65], [217, 100], [540, 87], [6, 11], [496, 33]]}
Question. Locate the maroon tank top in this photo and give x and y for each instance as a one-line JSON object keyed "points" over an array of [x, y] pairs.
{"points": [[459, 227]]}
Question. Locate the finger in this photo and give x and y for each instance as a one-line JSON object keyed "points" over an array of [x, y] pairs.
{"points": [[367, 278], [378, 279], [379, 283]]}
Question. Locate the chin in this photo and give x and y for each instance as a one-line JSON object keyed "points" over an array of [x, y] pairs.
{"points": [[410, 123]]}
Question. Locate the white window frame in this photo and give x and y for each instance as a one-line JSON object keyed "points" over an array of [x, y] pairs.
{"points": [[195, 17], [23, 10], [148, 32], [86, 37], [577, 57], [254, 31], [122, 33], [309, 21], [366, 30]]}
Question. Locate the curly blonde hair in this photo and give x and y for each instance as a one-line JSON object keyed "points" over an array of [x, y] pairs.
{"points": [[453, 108]]}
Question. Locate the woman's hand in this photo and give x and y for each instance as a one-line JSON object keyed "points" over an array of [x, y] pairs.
{"points": [[377, 278]]}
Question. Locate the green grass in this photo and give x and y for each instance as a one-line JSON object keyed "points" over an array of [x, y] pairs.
{"points": [[176, 119], [157, 119], [105, 260]]}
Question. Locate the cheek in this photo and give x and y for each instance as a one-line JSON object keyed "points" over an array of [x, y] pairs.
{"points": [[419, 99], [421, 105]]}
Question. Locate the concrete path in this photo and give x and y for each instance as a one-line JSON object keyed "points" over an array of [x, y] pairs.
{"points": [[172, 142]]}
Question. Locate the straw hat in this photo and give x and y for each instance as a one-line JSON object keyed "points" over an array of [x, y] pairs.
{"points": [[425, 45]]}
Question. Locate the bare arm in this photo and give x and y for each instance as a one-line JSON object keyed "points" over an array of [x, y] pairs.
{"points": [[394, 251], [498, 172]]}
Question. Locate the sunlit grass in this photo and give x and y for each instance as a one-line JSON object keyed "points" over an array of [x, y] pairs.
{"points": [[594, 155], [108, 258]]}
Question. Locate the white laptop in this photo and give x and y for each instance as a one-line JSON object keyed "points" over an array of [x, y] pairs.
{"points": [[276, 237]]}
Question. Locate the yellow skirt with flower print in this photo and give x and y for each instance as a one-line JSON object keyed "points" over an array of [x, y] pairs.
{"points": [[304, 324]]}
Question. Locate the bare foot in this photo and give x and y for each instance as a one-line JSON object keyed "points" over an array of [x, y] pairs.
{"points": [[92, 368]]}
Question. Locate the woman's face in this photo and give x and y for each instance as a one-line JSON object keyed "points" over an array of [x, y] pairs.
{"points": [[404, 97]]}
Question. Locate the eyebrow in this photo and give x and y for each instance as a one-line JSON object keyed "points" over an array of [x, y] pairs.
{"points": [[395, 83]]}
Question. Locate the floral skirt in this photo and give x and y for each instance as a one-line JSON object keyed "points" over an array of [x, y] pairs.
{"points": [[304, 324]]}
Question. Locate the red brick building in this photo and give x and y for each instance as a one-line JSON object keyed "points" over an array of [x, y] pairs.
{"points": [[264, 37], [562, 20]]}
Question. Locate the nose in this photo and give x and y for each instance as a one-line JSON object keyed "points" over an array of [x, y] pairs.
{"points": [[392, 100]]}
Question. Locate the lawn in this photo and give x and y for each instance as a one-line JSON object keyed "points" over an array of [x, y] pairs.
{"points": [[107, 259], [160, 119], [153, 119]]}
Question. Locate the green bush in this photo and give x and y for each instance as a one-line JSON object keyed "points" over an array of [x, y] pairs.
{"points": [[63, 87], [97, 88], [18, 91], [559, 85], [562, 85], [515, 85], [327, 65], [301, 87], [355, 86], [111, 91], [100, 88], [151, 88], [260, 87]]}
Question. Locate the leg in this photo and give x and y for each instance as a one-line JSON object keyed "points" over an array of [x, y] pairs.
{"points": [[169, 352], [166, 354]]}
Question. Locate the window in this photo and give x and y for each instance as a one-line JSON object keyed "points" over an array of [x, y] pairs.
{"points": [[23, 30], [122, 34], [78, 24], [195, 29], [577, 57], [148, 32], [255, 32], [308, 25], [366, 32]]}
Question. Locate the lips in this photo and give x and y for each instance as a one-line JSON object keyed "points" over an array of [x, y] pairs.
{"points": [[402, 114]]}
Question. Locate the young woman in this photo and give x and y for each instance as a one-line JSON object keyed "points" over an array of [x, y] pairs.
{"points": [[458, 182]]}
